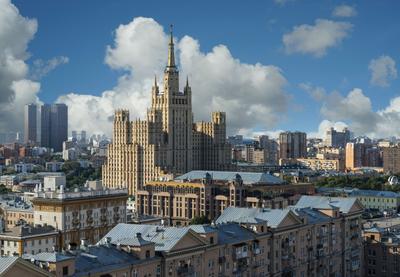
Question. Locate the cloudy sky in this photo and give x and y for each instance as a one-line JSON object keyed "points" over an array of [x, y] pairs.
{"points": [[275, 65]]}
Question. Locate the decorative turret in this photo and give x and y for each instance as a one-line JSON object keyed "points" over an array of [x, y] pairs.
{"points": [[187, 89]]}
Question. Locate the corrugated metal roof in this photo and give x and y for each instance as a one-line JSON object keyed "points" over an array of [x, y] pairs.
{"points": [[247, 177], [165, 238], [313, 216], [322, 202], [374, 193], [233, 233], [6, 262], [273, 217], [50, 257]]}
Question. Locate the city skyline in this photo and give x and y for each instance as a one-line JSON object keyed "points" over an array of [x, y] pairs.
{"points": [[130, 50]]}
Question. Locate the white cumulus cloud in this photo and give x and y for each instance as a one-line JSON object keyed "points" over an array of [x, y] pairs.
{"points": [[250, 93], [355, 110], [383, 70], [316, 39], [16, 32], [344, 11], [316, 92], [43, 67]]}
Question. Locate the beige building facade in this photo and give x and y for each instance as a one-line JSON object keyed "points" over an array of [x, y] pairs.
{"points": [[208, 194], [168, 140], [81, 214]]}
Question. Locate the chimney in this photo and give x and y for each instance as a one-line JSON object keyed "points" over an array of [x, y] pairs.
{"points": [[83, 245]]}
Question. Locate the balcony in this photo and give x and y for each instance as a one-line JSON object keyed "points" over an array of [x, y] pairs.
{"points": [[185, 270], [240, 254], [355, 253], [320, 253], [355, 265], [353, 225], [354, 236]]}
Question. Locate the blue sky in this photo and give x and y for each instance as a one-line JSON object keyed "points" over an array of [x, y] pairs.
{"points": [[253, 32]]}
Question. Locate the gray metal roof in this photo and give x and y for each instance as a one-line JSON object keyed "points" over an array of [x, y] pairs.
{"points": [[202, 229], [344, 204], [27, 230], [165, 238], [233, 233], [374, 193], [313, 216], [6, 262], [247, 177], [272, 217], [51, 257]]}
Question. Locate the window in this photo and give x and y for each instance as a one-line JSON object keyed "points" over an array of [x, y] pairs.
{"points": [[211, 240], [147, 253], [65, 270]]}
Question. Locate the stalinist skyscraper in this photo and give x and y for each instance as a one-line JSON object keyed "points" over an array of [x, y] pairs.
{"points": [[168, 141]]}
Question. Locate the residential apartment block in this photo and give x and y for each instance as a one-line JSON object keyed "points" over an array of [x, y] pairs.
{"points": [[208, 193], [319, 237], [28, 239], [381, 249], [391, 159], [82, 214]]}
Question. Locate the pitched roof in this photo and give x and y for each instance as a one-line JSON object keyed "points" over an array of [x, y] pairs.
{"points": [[313, 216], [51, 257], [374, 193], [247, 177], [6, 262], [233, 233], [165, 238], [272, 217], [344, 204], [28, 230]]}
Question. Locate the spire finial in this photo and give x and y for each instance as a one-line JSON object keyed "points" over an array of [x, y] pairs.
{"points": [[171, 55], [155, 80], [187, 81]]}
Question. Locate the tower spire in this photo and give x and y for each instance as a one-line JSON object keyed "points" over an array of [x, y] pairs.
{"points": [[171, 55], [187, 81]]}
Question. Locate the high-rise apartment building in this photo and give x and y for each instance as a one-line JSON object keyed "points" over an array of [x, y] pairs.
{"points": [[30, 123], [391, 159], [292, 145], [354, 155], [334, 138], [362, 154], [168, 141], [54, 125]]}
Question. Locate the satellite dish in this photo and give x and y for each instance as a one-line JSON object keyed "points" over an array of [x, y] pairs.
{"points": [[393, 180]]}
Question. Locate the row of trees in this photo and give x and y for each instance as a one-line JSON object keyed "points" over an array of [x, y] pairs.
{"points": [[378, 182], [76, 175]]}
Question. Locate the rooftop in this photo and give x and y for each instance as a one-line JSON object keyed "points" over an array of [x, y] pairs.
{"points": [[247, 177], [6, 262], [28, 230], [344, 204], [272, 217]]}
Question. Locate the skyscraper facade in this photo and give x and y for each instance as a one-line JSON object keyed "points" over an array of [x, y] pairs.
{"points": [[336, 138], [292, 145], [30, 123], [54, 125], [168, 141]]}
